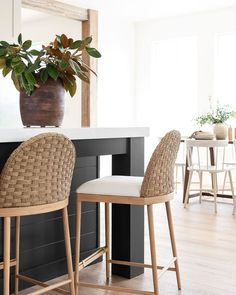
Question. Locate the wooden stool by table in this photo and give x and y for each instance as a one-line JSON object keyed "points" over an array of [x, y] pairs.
{"points": [[36, 179], [156, 187]]}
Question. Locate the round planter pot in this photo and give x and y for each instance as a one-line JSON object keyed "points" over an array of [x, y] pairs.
{"points": [[220, 130], [45, 106]]}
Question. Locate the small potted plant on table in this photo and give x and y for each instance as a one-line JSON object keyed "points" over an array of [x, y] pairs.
{"points": [[218, 117]]}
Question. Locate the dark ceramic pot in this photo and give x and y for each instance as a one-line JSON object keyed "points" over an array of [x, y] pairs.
{"points": [[45, 106]]}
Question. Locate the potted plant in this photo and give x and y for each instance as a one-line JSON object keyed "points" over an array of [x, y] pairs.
{"points": [[218, 117], [43, 76]]}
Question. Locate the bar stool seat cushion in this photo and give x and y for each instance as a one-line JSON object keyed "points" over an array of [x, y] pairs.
{"points": [[113, 185]]}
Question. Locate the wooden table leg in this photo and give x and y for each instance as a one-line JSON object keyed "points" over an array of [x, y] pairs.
{"points": [[186, 178]]}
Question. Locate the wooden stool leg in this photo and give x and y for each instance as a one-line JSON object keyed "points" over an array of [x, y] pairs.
{"points": [[153, 248], [77, 244], [107, 233], [68, 250], [6, 255], [17, 253], [173, 245]]}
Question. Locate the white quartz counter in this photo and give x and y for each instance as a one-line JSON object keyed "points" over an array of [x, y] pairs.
{"points": [[22, 134]]}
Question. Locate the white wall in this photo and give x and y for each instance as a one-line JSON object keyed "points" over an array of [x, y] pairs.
{"points": [[9, 22], [204, 26], [116, 74], [9, 27]]}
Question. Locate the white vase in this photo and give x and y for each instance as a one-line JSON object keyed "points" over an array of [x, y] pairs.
{"points": [[220, 130]]}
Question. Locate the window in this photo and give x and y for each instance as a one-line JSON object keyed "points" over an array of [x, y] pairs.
{"points": [[172, 100], [225, 69], [174, 84]]}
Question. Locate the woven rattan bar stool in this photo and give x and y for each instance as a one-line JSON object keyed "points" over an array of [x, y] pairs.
{"points": [[36, 179], [156, 187]]}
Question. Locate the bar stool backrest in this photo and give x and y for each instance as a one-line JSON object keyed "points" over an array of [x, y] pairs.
{"points": [[38, 172], [202, 153], [159, 176]]}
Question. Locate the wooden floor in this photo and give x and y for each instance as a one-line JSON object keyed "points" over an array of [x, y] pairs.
{"points": [[206, 246]]}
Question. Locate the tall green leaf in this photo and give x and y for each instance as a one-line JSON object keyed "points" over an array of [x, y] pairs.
{"points": [[30, 78], [28, 87], [64, 64], [44, 75], [19, 68], [33, 67], [6, 71], [15, 61], [34, 52], [2, 51], [2, 62], [20, 39], [15, 81], [22, 80], [83, 77], [4, 43], [76, 44], [52, 71], [75, 67], [72, 88], [27, 44], [93, 52]]}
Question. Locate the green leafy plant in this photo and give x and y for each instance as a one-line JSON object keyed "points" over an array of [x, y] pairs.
{"points": [[220, 115], [60, 59]]}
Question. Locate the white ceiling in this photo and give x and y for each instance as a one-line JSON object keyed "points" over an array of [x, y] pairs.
{"points": [[137, 10]]}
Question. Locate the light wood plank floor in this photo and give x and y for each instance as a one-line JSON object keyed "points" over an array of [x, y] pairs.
{"points": [[206, 246]]}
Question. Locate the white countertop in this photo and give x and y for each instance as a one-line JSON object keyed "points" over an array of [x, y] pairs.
{"points": [[22, 134]]}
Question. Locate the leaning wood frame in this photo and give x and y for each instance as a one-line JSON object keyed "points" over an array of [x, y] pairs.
{"points": [[89, 19]]}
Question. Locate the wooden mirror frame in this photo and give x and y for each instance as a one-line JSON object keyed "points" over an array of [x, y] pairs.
{"points": [[89, 19]]}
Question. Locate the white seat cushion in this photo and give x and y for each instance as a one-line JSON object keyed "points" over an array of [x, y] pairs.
{"points": [[113, 186]]}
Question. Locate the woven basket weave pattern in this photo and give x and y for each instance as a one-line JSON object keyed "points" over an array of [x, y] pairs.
{"points": [[38, 172], [159, 176]]}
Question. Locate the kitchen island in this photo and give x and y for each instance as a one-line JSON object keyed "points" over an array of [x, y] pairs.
{"points": [[42, 244]]}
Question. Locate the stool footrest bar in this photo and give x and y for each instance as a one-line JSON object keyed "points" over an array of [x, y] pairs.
{"points": [[137, 264], [12, 263], [166, 268], [92, 257], [42, 284], [116, 289]]}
